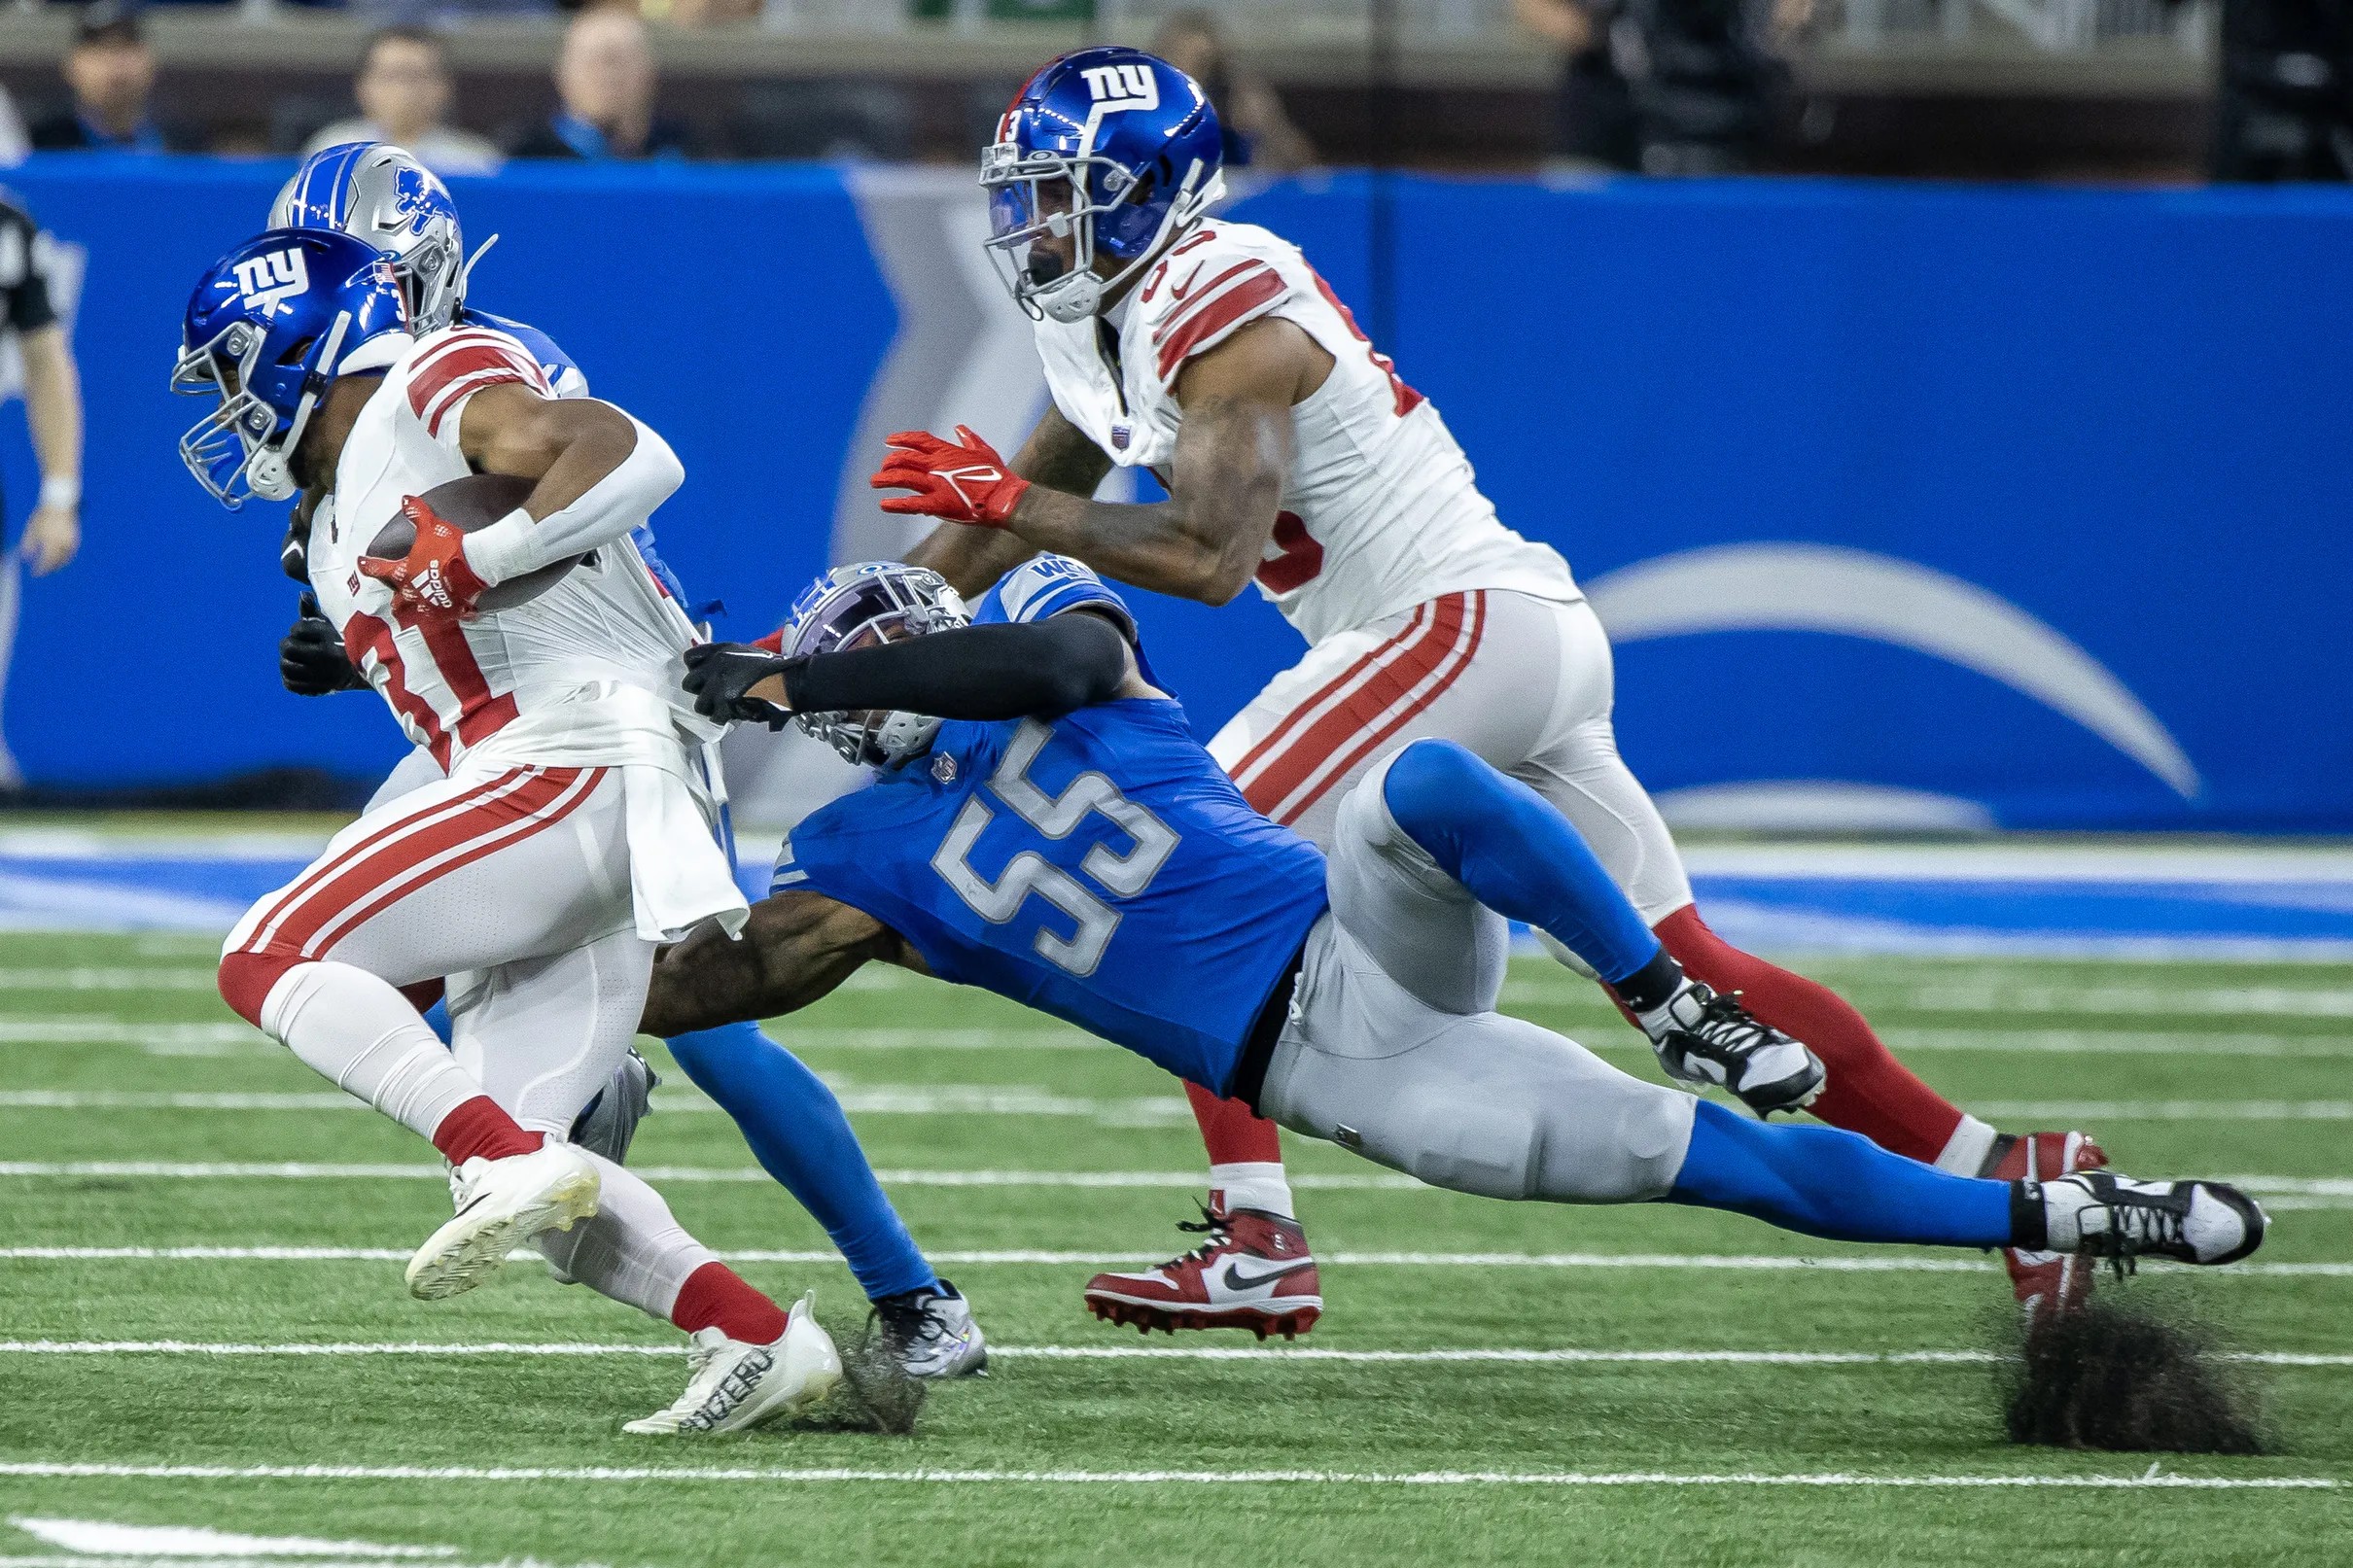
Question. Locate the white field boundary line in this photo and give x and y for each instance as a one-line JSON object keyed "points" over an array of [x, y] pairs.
{"points": [[1507, 1355], [1314, 1181], [1019, 1257], [2152, 1480], [879, 1099], [1023, 1101]]}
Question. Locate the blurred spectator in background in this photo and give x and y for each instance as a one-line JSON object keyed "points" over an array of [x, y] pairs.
{"points": [[2282, 109], [404, 88], [14, 144], [112, 73], [1667, 87], [606, 79], [700, 13], [52, 393], [1258, 135], [1593, 106]]}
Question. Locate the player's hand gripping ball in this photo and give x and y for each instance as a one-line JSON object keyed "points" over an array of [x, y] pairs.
{"points": [[435, 574], [963, 480]]}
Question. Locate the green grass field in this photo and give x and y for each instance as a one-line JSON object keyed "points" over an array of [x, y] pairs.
{"points": [[128, 1088]]}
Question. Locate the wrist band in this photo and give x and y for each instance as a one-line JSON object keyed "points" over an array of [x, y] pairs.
{"points": [[61, 490]]}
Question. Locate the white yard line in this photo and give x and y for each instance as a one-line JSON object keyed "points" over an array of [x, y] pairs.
{"points": [[2320, 1188], [85, 978], [2073, 1111], [2141, 1000], [93, 1029], [1113, 1353], [1138, 1110], [2151, 1480], [2218, 1042], [874, 1100], [305, 1170], [1763, 1263]]}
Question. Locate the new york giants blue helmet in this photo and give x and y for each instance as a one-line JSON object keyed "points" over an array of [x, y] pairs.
{"points": [[380, 193], [1110, 149], [269, 325]]}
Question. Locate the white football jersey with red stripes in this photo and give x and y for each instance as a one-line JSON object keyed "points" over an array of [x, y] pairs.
{"points": [[455, 684], [1380, 511]]}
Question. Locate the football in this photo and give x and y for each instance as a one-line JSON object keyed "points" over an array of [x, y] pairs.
{"points": [[472, 504]]}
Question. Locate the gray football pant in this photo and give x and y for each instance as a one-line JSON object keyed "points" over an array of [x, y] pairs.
{"points": [[1394, 1048]]}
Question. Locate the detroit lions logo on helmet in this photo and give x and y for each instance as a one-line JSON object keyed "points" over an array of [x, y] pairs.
{"points": [[413, 198], [1127, 84], [268, 282]]}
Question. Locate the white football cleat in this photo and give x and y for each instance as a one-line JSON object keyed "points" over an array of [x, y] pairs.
{"points": [[1706, 1037], [503, 1205], [2123, 1220], [731, 1385], [933, 1333]]}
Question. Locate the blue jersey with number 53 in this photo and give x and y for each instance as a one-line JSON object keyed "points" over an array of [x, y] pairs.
{"points": [[1098, 867]]}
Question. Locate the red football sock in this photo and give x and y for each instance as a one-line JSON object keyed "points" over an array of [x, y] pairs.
{"points": [[1233, 1135], [479, 1128], [1869, 1091], [714, 1296]]}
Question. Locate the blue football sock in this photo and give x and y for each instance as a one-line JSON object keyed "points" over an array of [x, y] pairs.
{"points": [[1824, 1182], [799, 1136], [1516, 854], [437, 1019]]}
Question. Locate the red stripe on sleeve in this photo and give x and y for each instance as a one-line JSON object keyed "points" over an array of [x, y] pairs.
{"points": [[1215, 316], [487, 362]]}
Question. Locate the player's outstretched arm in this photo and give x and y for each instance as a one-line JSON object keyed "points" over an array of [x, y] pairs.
{"points": [[1206, 540], [795, 950], [1044, 669], [1059, 456]]}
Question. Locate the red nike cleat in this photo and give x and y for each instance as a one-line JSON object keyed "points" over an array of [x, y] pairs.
{"points": [[1253, 1273], [2045, 1283]]}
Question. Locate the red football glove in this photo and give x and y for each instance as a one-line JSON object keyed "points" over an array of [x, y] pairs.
{"points": [[435, 574], [964, 483]]}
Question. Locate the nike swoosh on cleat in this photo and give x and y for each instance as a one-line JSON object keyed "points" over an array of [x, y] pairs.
{"points": [[1236, 1280]]}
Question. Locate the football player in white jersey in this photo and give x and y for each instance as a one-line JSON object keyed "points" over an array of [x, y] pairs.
{"points": [[381, 195], [572, 832], [1294, 455]]}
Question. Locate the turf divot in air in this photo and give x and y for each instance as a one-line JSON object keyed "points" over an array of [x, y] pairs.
{"points": [[2132, 1377]]}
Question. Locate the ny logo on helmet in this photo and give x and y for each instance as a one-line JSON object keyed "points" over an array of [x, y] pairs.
{"points": [[1128, 86], [268, 282]]}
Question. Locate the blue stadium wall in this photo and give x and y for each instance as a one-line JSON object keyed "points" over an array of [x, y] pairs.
{"points": [[2026, 507]]}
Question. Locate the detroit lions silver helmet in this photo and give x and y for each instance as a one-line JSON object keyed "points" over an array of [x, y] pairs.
{"points": [[853, 607], [380, 193]]}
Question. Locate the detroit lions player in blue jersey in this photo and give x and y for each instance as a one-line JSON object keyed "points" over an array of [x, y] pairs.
{"points": [[1043, 825], [382, 195]]}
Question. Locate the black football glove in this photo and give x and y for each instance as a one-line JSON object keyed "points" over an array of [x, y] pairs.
{"points": [[720, 674], [311, 660]]}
